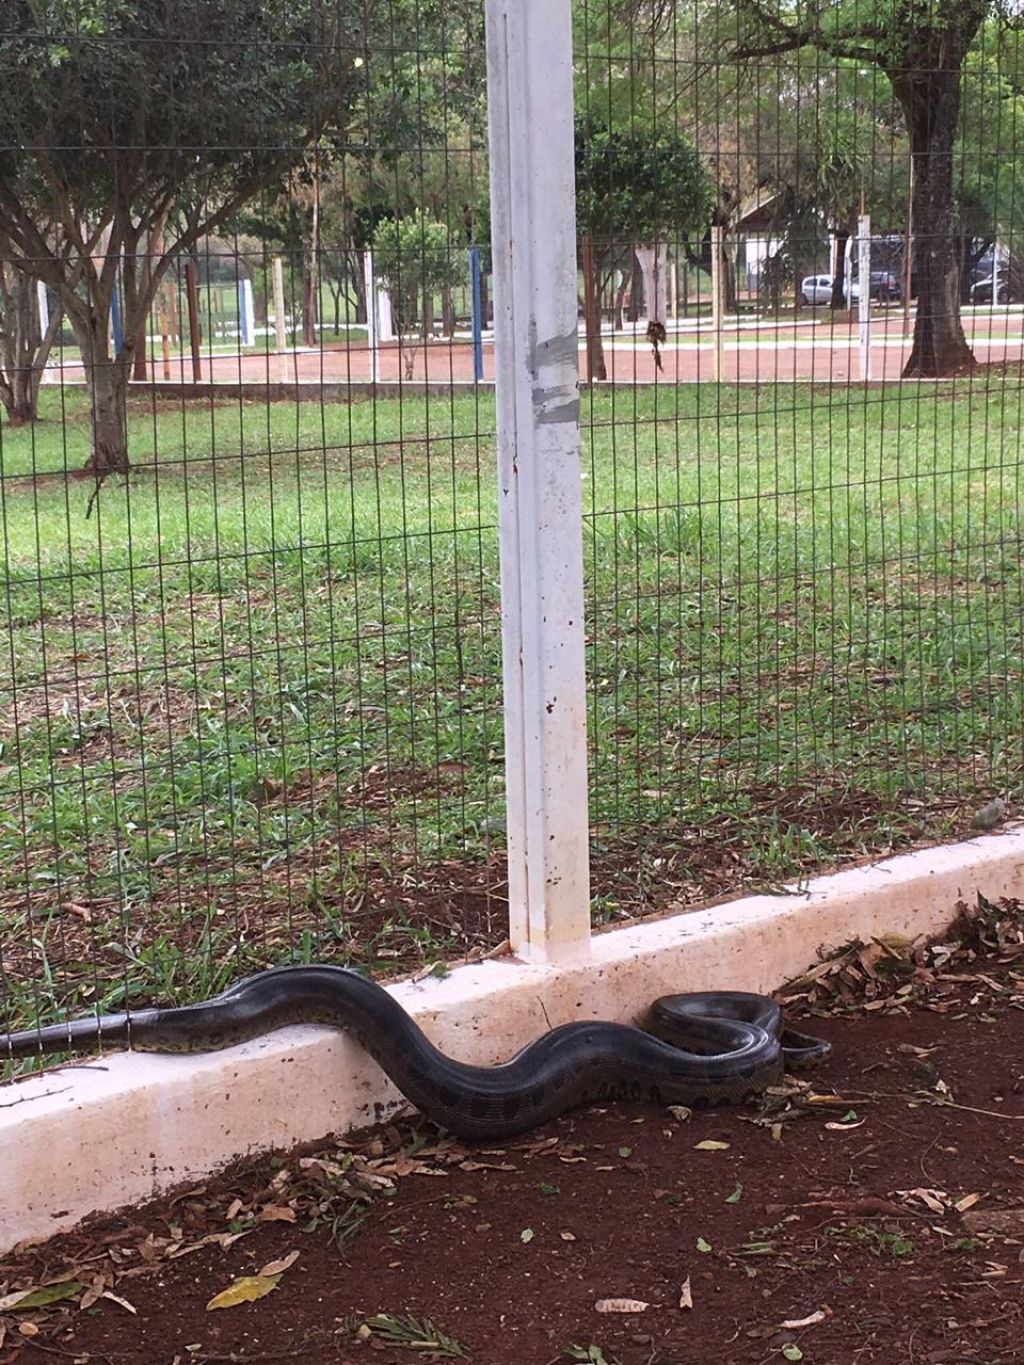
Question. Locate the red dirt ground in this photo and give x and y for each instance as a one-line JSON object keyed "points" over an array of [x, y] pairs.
{"points": [[883, 1221], [822, 353]]}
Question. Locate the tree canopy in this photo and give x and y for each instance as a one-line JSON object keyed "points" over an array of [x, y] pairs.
{"points": [[114, 112]]}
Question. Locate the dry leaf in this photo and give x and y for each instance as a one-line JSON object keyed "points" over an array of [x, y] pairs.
{"points": [[680, 1112], [968, 1202], [247, 1289], [710, 1145], [567, 1236], [621, 1306], [116, 1298], [279, 1267], [275, 1213], [28, 1329], [795, 1324], [935, 1200], [845, 1127], [685, 1294]]}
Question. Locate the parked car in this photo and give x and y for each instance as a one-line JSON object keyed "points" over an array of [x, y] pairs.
{"points": [[885, 287], [981, 291], [816, 289]]}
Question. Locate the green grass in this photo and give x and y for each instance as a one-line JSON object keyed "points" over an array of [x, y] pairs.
{"points": [[250, 709]]}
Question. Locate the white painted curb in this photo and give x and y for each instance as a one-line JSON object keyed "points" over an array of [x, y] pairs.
{"points": [[97, 1137]]}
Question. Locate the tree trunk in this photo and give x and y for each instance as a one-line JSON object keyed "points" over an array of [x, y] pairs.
{"points": [[358, 282], [838, 299], [633, 272], [596, 368], [427, 319], [447, 311], [930, 100], [24, 349], [654, 268], [108, 387], [310, 312], [730, 303]]}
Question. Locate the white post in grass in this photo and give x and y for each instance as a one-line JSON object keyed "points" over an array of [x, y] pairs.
{"points": [[864, 292], [533, 235], [44, 322], [372, 317]]}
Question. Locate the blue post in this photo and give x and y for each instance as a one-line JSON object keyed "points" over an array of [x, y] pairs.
{"points": [[478, 325], [115, 321]]}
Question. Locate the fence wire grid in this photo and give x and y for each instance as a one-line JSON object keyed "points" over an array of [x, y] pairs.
{"points": [[250, 701]]}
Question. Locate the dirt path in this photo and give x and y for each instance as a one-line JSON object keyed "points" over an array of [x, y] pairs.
{"points": [[824, 353], [886, 1225]]}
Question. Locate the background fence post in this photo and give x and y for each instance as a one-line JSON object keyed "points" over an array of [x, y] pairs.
{"points": [[478, 325], [246, 314], [864, 293], [533, 212], [192, 300], [372, 317], [717, 298]]}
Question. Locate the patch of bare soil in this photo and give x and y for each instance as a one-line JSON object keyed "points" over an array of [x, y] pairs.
{"points": [[874, 1212]]}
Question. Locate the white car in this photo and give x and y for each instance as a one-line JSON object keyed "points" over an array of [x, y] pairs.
{"points": [[817, 289]]}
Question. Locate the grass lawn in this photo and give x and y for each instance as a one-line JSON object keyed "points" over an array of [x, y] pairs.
{"points": [[250, 708]]}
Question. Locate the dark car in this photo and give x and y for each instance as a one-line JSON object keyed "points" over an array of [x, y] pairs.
{"points": [[885, 287]]}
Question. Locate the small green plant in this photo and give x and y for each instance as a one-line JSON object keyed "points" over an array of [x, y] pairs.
{"points": [[879, 1242], [416, 1335], [591, 1355]]}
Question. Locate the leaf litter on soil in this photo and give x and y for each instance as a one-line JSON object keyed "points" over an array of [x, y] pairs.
{"points": [[366, 1189]]}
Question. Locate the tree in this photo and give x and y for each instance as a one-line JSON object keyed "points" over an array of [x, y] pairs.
{"points": [[114, 111], [992, 208], [921, 46], [25, 345], [413, 256], [635, 187]]}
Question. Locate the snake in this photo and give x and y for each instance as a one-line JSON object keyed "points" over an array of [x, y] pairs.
{"points": [[700, 1049]]}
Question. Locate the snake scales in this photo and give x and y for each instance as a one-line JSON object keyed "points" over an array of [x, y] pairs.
{"points": [[701, 1049]]}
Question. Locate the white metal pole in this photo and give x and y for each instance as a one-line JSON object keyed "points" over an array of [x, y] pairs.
{"points": [[533, 214], [372, 317], [864, 292], [44, 322]]}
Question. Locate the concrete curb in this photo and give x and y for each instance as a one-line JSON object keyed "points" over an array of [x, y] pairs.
{"points": [[97, 1137]]}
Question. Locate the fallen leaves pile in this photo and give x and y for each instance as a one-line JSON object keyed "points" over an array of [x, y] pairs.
{"points": [[336, 1189], [891, 972]]}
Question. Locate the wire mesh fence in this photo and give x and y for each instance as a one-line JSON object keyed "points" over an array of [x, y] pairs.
{"points": [[250, 703]]}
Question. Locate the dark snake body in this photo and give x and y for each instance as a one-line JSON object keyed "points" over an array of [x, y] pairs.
{"points": [[701, 1050]]}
